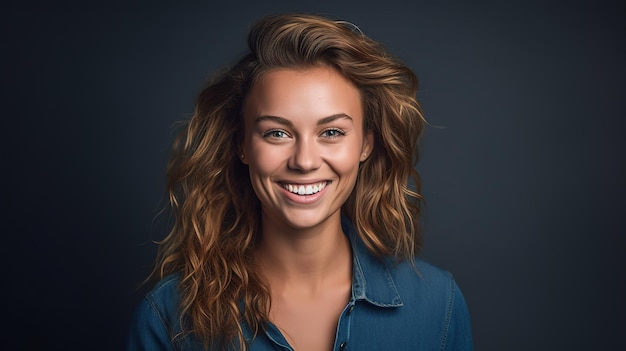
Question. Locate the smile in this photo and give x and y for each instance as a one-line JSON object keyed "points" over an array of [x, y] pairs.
{"points": [[303, 190]]}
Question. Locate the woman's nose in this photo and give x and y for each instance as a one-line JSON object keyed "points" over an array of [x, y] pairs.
{"points": [[305, 156]]}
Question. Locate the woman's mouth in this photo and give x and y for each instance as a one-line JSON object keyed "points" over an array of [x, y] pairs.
{"points": [[305, 189]]}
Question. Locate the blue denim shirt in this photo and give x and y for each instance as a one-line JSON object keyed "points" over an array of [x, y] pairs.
{"points": [[392, 308]]}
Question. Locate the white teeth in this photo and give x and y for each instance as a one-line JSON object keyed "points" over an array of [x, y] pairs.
{"points": [[305, 190]]}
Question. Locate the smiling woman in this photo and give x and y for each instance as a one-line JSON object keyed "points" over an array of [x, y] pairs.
{"points": [[319, 143], [295, 225]]}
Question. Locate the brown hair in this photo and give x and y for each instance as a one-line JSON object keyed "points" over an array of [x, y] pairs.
{"points": [[216, 212]]}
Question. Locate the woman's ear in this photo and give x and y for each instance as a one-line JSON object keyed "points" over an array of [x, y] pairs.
{"points": [[368, 145], [242, 155]]}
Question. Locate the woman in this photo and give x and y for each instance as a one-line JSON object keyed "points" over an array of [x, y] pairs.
{"points": [[295, 227]]}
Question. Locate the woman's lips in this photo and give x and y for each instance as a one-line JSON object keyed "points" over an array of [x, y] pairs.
{"points": [[305, 189]]}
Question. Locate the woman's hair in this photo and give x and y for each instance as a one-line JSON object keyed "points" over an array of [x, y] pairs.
{"points": [[217, 215]]}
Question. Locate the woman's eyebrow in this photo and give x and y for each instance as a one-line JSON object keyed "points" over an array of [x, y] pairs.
{"points": [[286, 122], [274, 119], [333, 118]]}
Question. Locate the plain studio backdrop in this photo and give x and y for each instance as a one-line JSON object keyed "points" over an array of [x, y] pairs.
{"points": [[523, 165]]}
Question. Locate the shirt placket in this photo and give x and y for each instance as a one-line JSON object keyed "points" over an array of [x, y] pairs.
{"points": [[342, 337], [275, 336]]}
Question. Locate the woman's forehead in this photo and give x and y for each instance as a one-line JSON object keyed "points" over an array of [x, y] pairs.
{"points": [[312, 92]]}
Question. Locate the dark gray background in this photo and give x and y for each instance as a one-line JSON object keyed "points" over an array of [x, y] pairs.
{"points": [[523, 167]]}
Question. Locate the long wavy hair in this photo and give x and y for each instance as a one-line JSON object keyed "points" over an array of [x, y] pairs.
{"points": [[217, 215]]}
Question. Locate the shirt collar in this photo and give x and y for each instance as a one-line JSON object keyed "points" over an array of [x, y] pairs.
{"points": [[372, 280]]}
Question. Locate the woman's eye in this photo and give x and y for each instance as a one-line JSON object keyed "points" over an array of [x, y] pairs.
{"points": [[277, 133], [333, 133]]}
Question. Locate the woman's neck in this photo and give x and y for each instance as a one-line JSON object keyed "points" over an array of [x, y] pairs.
{"points": [[308, 258]]}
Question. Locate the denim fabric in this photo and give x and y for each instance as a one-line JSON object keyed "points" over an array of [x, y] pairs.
{"points": [[392, 308]]}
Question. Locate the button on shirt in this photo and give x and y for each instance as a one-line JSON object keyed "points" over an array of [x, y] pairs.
{"points": [[393, 307]]}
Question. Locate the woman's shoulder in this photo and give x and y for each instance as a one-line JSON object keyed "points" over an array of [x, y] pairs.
{"points": [[165, 289], [432, 293], [423, 276], [164, 298], [156, 319], [422, 299], [429, 272], [423, 284]]}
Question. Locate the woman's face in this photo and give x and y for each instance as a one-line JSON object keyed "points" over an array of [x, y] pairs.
{"points": [[304, 140]]}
